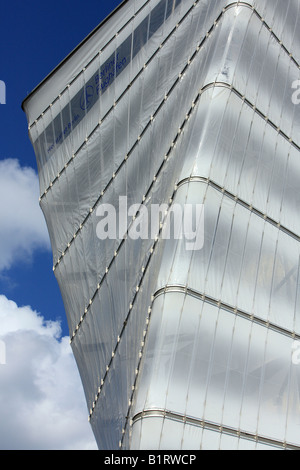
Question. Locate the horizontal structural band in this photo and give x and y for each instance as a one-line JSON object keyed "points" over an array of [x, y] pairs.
{"points": [[210, 426], [185, 290], [235, 198]]}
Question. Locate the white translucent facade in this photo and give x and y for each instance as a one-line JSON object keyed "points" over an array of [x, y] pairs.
{"points": [[186, 102]]}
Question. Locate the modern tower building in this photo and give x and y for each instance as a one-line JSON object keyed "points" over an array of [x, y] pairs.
{"points": [[192, 341]]}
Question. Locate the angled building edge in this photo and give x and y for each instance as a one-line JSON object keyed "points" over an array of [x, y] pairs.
{"points": [[180, 103]]}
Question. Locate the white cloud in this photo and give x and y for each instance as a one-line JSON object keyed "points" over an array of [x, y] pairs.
{"points": [[22, 228], [42, 404]]}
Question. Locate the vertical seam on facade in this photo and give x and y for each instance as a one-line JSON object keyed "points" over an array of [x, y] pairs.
{"points": [[141, 204], [218, 303], [241, 202], [152, 117], [144, 269]]}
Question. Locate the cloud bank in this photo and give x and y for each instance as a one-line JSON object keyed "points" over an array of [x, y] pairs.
{"points": [[42, 405], [22, 228]]}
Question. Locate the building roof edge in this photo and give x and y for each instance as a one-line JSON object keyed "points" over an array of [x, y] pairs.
{"points": [[73, 52]]}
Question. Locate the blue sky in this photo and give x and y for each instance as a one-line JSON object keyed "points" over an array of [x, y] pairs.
{"points": [[41, 400]]}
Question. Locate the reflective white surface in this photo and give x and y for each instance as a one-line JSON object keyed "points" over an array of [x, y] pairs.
{"points": [[208, 119]]}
